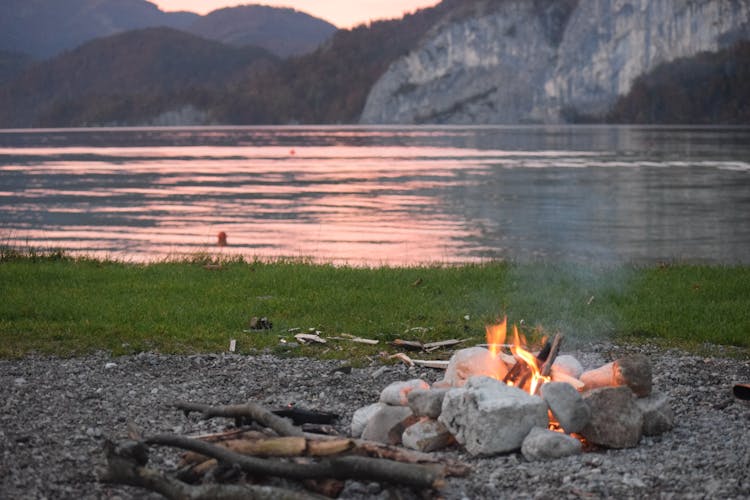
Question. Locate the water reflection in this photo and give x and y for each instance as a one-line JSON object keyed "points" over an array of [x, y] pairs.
{"points": [[382, 195]]}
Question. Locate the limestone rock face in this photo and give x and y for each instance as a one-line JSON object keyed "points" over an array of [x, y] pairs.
{"points": [[535, 62]]}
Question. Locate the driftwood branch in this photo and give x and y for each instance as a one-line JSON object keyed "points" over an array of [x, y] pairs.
{"points": [[251, 411], [124, 468], [346, 467], [277, 447]]}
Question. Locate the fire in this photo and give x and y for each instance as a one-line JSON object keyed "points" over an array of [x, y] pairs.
{"points": [[496, 336], [526, 374]]}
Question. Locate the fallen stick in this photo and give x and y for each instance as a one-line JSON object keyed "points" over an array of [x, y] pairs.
{"points": [[301, 416], [251, 411], [347, 467], [127, 470], [277, 447]]}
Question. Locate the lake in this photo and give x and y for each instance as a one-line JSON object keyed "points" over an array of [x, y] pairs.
{"points": [[382, 195]]}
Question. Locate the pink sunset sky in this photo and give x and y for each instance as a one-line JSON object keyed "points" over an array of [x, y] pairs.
{"points": [[342, 13]]}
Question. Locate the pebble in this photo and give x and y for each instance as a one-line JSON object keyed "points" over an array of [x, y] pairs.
{"points": [[50, 405]]}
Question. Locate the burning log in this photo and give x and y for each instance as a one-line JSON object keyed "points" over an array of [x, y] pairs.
{"points": [[551, 356], [516, 376]]}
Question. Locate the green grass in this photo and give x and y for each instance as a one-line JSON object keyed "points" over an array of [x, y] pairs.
{"points": [[50, 303]]}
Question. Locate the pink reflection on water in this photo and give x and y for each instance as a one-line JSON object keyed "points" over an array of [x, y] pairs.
{"points": [[354, 205]]}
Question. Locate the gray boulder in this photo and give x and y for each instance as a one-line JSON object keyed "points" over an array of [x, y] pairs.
{"points": [[427, 403], [567, 405], [388, 424], [616, 421], [488, 417]]}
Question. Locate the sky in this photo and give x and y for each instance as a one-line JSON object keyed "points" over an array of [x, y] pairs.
{"points": [[342, 13]]}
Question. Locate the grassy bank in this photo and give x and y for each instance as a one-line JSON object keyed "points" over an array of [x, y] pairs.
{"points": [[53, 304]]}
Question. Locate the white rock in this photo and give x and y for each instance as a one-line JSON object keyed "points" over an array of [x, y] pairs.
{"points": [[110, 365], [362, 416], [427, 435], [473, 361], [388, 424], [567, 365], [488, 417], [397, 393]]}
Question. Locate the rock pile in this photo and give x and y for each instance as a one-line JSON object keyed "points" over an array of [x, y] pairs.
{"points": [[611, 406]]}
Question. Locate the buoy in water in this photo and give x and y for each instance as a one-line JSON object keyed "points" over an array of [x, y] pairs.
{"points": [[222, 239]]}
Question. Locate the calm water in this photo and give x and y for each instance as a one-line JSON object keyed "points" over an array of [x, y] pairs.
{"points": [[382, 195]]}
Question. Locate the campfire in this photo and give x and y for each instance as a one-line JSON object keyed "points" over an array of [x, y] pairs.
{"points": [[495, 398], [505, 396]]}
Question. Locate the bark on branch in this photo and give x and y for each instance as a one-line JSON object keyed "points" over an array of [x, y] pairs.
{"points": [[124, 468], [346, 467], [251, 411]]}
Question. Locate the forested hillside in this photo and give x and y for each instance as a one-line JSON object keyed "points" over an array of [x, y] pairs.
{"points": [[710, 88], [126, 78]]}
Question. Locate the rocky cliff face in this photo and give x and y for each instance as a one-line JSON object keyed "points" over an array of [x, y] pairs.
{"points": [[521, 61]]}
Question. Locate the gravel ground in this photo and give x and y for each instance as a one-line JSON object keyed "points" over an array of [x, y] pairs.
{"points": [[56, 412]]}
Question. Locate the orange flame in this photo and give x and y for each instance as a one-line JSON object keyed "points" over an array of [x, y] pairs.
{"points": [[526, 357], [496, 336]]}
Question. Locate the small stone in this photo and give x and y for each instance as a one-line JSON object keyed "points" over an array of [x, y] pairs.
{"points": [[658, 416], [109, 366], [427, 403], [379, 372], [388, 424], [397, 393], [543, 444], [427, 435], [616, 421], [566, 405], [19, 381]]}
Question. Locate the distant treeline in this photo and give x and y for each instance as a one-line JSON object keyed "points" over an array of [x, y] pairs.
{"points": [[156, 75], [709, 88]]}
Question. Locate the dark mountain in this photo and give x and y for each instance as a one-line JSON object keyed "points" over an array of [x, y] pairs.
{"points": [[12, 64], [42, 28], [284, 32], [709, 88], [135, 77], [129, 77]]}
